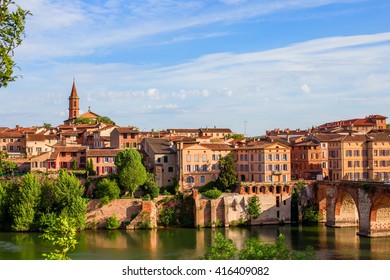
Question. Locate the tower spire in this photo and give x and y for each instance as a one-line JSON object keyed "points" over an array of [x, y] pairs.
{"points": [[73, 102]]}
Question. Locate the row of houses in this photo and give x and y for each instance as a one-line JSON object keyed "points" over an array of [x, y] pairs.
{"points": [[356, 149], [193, 161]]}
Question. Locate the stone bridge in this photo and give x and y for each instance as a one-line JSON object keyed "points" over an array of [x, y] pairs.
{"points": [[365, 205]]}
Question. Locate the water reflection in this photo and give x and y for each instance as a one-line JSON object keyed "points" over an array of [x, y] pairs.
{"points": [[329, 243]]}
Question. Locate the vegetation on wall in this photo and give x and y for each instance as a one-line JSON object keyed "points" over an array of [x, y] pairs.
{"points": [[113, 222], [212, 194], [254, 209], [167, 217]]}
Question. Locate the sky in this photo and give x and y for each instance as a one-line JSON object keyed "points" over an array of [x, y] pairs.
{"points": [[242, 64]]}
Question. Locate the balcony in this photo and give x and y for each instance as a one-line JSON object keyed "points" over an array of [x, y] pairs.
{"points": [[277, 172]]}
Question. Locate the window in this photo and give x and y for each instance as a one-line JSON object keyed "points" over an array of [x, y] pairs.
{"points": [[204, 159], [202, 179], [196, 168], [170, 169], [190, 180], [188, 168], [356, 153], [188, 157], [124, 135], [204, 167], [165, 159], [348, 153], [39, 149], [349, 163], [196, 158]]}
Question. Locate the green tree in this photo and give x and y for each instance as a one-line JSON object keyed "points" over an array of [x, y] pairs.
{"points": [[47, 125], [224, 249], [227, 176], [255, 249], [68, 198], [131, 171], [74, 164], [150, 186], [8, 166], [254, 207], [90, 168], [24, 199], [107, 188], [3, 203], [12, 22], [62, 234]]}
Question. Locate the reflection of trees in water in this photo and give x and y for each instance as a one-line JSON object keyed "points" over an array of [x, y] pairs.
{"points": [[330, 243]]}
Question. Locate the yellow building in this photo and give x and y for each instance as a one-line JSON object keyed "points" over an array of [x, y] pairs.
{"points": [[198, 163], [360, 157], [264, 160]]}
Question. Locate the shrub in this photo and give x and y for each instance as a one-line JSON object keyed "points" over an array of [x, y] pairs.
{"points": [[107, 188], [209, 186], [254, 207], [113, 222], [166, 217], [212, 194]]}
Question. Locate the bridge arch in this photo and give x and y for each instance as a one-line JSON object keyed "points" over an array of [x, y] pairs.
{"points": [[346, 210], [380, 214]]}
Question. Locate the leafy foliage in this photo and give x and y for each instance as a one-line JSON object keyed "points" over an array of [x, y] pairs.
{"points": [[167, 217], [107, 188], [213, 194], [209, 186], [90, 168], [131, 171], [24, 199], [7, 167], [254, 207], [255, 249], [113, 222], [12, 22], [67, 198], [227, 176], [310, 213], [150, 186], [224, 249], [104, 119], [62, 233]]}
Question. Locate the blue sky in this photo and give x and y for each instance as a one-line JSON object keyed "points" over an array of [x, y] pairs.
{"points": [[188, 64]]}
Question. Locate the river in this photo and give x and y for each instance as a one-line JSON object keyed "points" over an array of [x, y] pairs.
{"points": [[182, 243]]}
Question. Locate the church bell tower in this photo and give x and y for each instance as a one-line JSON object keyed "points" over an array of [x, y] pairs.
{"points": [[73, 103]]}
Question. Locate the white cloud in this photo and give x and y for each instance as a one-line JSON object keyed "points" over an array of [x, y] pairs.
{"points": [[153, 93], [305, 88], [73, 28]]}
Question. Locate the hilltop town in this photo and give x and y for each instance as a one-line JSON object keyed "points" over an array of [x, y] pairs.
{"points": [[327, 161], [355, 149]]}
